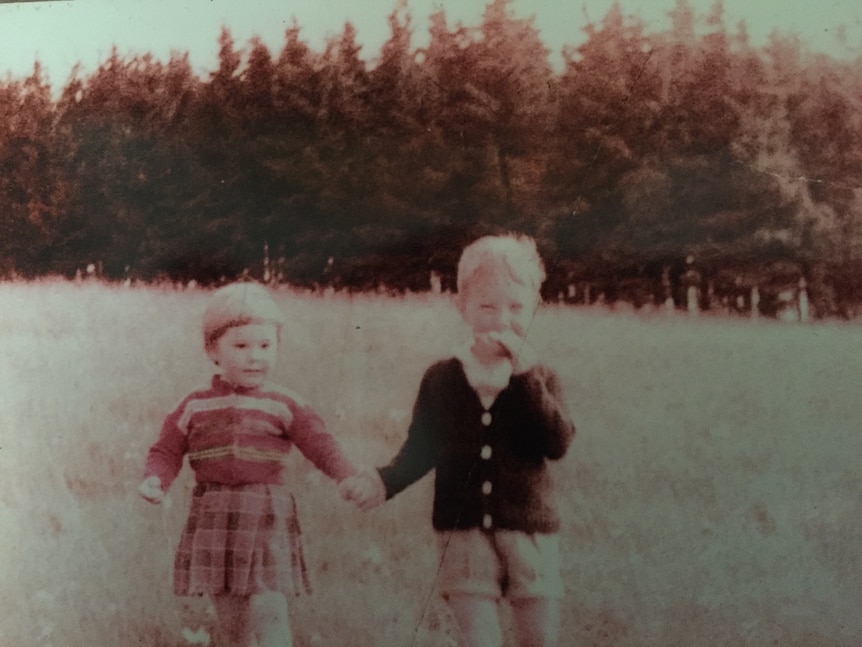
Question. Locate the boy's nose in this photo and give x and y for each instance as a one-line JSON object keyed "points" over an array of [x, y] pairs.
{"points": [[504, 320]]}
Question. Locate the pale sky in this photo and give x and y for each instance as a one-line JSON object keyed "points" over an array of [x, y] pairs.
{"points": [[61, 33]]}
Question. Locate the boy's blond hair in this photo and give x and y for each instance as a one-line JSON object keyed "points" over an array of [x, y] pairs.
{"points": [[514, 254], [239, 304]]}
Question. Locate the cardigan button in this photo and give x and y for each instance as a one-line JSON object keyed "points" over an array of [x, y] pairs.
{"points": [[486, 452], [487, 521], [487, 486], [486, 418]]}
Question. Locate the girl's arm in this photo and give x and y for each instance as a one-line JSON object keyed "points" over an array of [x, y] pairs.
{"points": [[165, 458], [545, 409], [308, 432], [151, 489]]}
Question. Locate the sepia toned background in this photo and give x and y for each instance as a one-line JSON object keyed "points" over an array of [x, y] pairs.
{"points": [[691, 172]]}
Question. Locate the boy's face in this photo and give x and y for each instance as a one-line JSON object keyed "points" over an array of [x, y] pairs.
{"points": [[492, 303], [246, 354]]}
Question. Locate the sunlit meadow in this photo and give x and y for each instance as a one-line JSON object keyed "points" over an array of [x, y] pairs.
{"points": [[713, 495]]}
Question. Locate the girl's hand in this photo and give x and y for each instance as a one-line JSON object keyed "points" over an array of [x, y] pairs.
{"points": [[521, 354], [151, 489], [365, 489]]}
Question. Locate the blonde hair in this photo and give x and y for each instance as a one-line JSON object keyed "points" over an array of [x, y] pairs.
{"points": [[239, 304], [514, 254]]}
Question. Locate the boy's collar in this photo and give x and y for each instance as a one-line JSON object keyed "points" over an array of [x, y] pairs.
{"points": [[479, 375]]}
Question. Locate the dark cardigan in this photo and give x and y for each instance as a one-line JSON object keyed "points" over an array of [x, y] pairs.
{"points": [[492, 466]]}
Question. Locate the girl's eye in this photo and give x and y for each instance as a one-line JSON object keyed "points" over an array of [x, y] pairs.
{"points": [[265, 345], [516, 307], [487, 306]]}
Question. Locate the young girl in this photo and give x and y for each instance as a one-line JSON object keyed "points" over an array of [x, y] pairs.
{"points": [[489, 420], [240, 543]]}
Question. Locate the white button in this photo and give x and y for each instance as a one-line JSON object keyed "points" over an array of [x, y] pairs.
{"points": [[486, 418], [486, 452], [487, 486], [487, 521]]}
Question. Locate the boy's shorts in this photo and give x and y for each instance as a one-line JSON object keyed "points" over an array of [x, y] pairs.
{"points": [[501, 563]]}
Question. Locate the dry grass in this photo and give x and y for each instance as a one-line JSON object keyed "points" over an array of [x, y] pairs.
{"points": [[712, 496]]}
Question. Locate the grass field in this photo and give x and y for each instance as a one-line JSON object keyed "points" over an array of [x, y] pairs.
{"points": [[713, 495]]}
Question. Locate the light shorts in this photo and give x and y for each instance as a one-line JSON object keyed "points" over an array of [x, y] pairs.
{"points": [[500, 563]]}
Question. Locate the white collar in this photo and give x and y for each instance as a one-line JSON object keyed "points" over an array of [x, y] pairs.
{"points": [[487, 381]]}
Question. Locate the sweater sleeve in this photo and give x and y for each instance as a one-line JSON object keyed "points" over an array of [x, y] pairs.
{"points": [[308, 432], [416, 456], [546, 410], [165, 458]]}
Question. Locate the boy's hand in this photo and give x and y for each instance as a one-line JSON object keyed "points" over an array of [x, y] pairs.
{"points": [[151, 489], [521, 354], [365, 489]]}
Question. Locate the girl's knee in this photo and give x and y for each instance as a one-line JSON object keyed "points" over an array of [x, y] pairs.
{"points": [[270, 618], [233, 617], [269, 601]]}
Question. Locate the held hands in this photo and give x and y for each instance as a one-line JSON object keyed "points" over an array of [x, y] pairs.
{"points": [[521, 355], [151, 489], [365, 489]]}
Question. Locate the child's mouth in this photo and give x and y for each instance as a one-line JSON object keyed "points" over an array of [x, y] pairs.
{"points": [[491, 347]]}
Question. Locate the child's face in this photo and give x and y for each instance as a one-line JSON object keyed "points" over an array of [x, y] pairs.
{"points": [[246, 354], [494, 303]]}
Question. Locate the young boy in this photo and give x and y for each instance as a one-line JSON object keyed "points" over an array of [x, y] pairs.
{"points": [[240, 544], [489, 420]]}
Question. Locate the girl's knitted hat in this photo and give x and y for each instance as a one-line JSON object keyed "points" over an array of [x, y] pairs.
{"points": [[239, 304]]}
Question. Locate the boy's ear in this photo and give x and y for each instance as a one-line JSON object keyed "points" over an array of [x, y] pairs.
{"points": [[459, 302], [538, 300]]}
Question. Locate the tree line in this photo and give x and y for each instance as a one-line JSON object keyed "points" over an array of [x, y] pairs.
{"points": [[646, 148]]}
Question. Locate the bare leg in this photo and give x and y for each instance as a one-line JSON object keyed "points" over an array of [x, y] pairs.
{"points": [[234, 618], [537, 621], [478, 620], [270, 621]]}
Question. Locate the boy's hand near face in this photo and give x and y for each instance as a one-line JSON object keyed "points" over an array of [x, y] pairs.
{"points": [[151, 490], [365, 490], [521, 354]]}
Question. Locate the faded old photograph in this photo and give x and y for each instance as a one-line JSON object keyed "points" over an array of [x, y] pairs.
{"points": [[424, 323]]}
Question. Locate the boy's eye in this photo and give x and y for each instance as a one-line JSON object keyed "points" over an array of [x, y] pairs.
{"points": [[516, 307], [487, 306]]}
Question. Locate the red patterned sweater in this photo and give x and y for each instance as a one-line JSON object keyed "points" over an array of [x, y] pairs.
{"points": [[237, 436]]}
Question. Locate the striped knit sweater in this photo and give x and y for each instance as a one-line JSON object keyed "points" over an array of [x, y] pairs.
{"points": [[238, 436]]}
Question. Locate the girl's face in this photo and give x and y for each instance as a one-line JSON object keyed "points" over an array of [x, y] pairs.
{"points": [[246, 354], [498, 304]]}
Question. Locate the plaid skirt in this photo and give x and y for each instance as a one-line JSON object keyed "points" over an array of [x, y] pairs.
{"points": [[240, 540]]}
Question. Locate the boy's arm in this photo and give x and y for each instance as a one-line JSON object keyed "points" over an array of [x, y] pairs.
{"points": [[416, 456], [546, 410]]}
